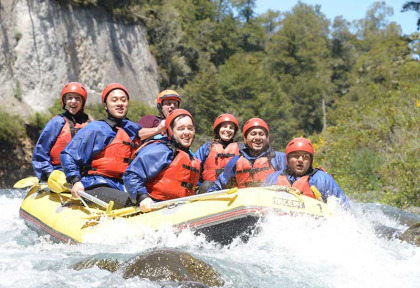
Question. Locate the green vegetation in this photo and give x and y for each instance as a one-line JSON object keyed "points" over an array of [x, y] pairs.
{"points": [[18, 36], [11, 128], [352, 88], [18, 91]]}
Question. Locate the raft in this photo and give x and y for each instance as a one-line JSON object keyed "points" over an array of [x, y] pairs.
{"points": [[221, 216]]}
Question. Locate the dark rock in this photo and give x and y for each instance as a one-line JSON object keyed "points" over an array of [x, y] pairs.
{"points": [[106, 264], [386, 231], [412, 235], [168, 267]]}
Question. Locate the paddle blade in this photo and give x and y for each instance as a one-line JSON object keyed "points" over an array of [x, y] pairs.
{"points": [[26, 182], [57, 182]]}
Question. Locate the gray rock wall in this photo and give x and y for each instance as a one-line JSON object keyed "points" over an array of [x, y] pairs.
{"points": [[45, 45]]}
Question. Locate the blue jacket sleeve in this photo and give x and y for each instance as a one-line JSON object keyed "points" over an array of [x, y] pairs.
{"points": [[132, 129], [271, 179], [149, 161], [84, 146], [201, 154], [326, 184], [227, 176], [41, 159], [279, 161]]}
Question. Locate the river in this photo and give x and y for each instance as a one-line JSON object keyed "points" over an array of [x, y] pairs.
{"points": [[343, 251]]}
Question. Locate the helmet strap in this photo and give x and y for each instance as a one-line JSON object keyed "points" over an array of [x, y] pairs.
{"points": [[159, 107]]}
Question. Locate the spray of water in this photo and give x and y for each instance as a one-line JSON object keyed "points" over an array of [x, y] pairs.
{"points": [[343, 251]]}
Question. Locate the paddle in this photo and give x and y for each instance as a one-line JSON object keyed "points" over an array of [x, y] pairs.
{"points": [[26, 182], [57, 183], [200, 197], [175, 202]]}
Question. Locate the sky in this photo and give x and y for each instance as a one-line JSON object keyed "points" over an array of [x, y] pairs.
{"points": [[349, 9]]}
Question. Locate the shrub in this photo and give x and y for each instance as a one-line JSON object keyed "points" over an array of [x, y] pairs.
{"points": [[11, 128]]}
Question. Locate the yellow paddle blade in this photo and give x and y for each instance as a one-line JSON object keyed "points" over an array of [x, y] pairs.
{"points": [[26, 182], [57, 182]]}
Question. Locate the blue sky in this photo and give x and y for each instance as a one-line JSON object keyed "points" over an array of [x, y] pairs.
{"points": [[349, 9]]}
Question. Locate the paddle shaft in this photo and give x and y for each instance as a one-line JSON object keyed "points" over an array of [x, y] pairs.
{"points": [[93, 199], [162, 204]]}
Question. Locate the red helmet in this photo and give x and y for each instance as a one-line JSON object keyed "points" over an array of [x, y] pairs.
{"points": [[108, 89], [225, 118], [171, 117], [167, 94], [74, 87], [254, 122], [299, 144]]}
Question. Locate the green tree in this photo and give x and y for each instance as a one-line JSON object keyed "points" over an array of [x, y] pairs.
{"points": [[245, 9], [343, 55], [271, 21], [299, 55], [372, 148]]}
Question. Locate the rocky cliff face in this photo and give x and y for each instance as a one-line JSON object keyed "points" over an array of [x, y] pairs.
{"points": [[45, 45]]}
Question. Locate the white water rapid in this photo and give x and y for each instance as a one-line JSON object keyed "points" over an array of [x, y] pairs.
{"points": [[343, 251]]}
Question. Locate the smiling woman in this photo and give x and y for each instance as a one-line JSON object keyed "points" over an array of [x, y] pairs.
{"points": [[60, 130], [215, 154], [74, 102]]}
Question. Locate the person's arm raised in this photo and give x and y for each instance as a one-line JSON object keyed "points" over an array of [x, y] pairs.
{"points": [[145, 133]]}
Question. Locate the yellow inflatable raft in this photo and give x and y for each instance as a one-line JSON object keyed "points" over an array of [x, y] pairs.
{"points": [[220, 216]]}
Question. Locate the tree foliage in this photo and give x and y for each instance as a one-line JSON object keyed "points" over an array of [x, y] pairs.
{"points": [[351, 87]]}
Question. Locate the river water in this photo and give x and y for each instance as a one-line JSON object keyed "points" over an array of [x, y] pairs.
{"points": [[345, 250]]}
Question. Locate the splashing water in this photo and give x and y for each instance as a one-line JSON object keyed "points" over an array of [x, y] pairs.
{"points": [[343, 251]]}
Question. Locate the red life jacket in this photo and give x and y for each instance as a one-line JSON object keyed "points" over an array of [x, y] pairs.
{"points": [[113, 160], [248, 175], [302, 183], [67, 132], [179, 179], [217, 160]]}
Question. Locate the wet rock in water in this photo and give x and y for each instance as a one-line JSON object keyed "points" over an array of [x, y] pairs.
{"points": [[170, 265], [412, 235], [172, 268], [386, 231], [106, 264]]}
